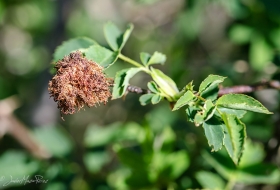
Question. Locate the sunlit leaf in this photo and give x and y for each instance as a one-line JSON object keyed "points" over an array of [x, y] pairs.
{"points": [[164, 82], [258, 174], [171, 165], [153, 87], [157, 121], [130, 157], [17, 165], [261, 54], [168, 138], [126, 35], [184, 100], [253, 153], [54, 139], [146, 99], [72, 45], [157, 58], [210, 180], [94, 161], [56, 186], [206, 113], [235, 134], [214, 132], [113, 35], [209, 88], [221, 162], [121, 81], [156, 99], [144, 57], [117, 178], [179, 162], [238, 113], [102, 56], [100, 136], [130, 131], [191, 112], [241, 102], [240, 34], [115, 38]]}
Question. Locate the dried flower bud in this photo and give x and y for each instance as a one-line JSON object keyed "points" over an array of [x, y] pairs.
{"points": [[78, 82]]}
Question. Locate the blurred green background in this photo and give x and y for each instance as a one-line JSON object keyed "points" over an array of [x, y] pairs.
{"points": [[123, 145]]}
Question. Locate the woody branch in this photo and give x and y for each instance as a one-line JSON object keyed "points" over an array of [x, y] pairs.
{"points": [[239, 89]]}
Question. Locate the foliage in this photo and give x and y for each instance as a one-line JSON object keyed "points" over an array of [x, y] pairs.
{"points": [[220, 117], [126, 145]]}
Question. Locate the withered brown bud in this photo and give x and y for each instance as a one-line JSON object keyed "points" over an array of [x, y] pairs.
{"points": [[78, 82]]}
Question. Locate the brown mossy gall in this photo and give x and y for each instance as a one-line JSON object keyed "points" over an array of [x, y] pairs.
{"points": [[78, 82]]}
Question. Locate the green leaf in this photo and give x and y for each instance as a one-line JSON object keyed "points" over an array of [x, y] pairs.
{"points": [[189, 86], [160, 117], [126, 34], [94, 161], [184, 100], [54, 139], [113, 35], [199, 118], [191, 112], [240, 34], [102, 56], [252, 170], [274, 35], [235, 134], [115, 38], [166, 84], [170, 165], [146, 99], [56, 186], [141, 178], [131, 131], [205, 114], [210, 180], [179, 162], [144, 57], [258, 173], [168, 138], [252, 174], [122, 81], [241, 102], [238, 113], [221, 162], [214, 132], [253, 154], [72, 45], [100, 136], [156, 99], [260, 53], [130, 157], [157, 58], [117, 178], [210, 109], [209, 88], [153, 87], [17, 165]]}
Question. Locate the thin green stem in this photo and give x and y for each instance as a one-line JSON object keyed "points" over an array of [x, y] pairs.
{"points": [[220, 112], [230, 184], [131, 61], [149, 72], [199, 97]]}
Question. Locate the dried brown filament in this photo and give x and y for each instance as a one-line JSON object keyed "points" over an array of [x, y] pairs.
{"points": [[78, 82]]}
